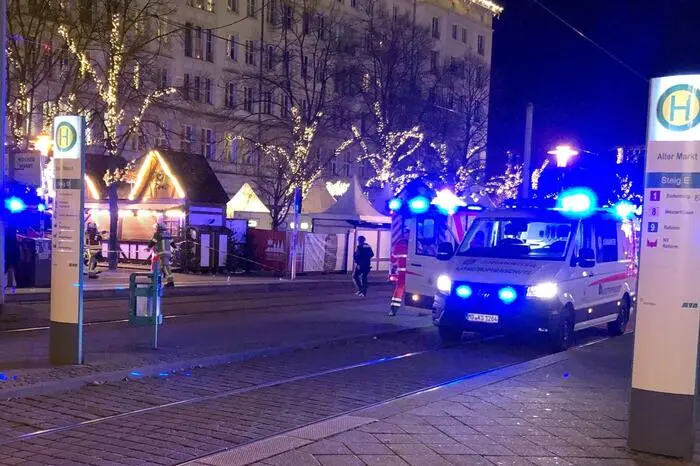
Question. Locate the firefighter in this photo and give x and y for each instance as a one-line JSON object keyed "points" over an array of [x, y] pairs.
{"points": [[160, 246], [399, 258], [93, 248]]}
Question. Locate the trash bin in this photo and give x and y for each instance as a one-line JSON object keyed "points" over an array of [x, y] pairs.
{"points": [[34, 270]]}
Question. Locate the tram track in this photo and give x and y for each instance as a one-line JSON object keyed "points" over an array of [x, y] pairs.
{"points": [[241, 414], [265, 305]]}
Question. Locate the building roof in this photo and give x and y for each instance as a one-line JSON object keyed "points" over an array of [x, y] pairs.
{"points": [[353, 206]]}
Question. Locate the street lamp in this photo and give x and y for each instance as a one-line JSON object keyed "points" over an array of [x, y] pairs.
{"points": [[43, 144], [563, 154]]}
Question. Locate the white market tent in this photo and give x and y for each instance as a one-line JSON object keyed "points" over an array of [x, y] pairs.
{"points": [[353, 207], [318, 199], [246, 204]]}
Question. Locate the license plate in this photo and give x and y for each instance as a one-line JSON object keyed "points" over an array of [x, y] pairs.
{"points": [[485, 318]]}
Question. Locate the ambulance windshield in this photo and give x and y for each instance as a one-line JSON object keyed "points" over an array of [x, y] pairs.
{"points": [[518, 238]]}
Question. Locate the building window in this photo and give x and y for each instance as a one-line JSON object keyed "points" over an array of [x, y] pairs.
{"points": [[197, 88], [346, 164], [231, 148], [464, 35], [270, 57], [164, 78], [248, 99], [267, 102], [187, 138], [252, 8], [287, 16], [163, 130], [396, 12], [208, 98], [334, 166], [306, 23], [434, 60], [186, 87], [198, 43], [481, 45], [285, 106], [436, 27], [454, 31], [271, 11], [230, 95], [208, 145], [250, 52], [210, 46], [353, 3], [232, 46], [188, 39], [232, 6]]}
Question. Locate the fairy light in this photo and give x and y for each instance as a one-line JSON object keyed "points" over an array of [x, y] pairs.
{"points": [[166, 169], [141, 176], [493, 7], [536, 174]]}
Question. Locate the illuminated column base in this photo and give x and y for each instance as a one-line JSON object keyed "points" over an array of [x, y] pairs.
{"points": [[65, 343]]}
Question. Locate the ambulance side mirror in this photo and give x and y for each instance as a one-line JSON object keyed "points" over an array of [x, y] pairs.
{"points": [[445, 251], [586, 258]]}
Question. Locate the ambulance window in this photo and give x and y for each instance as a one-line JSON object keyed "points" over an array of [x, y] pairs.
{"points": [[584, 240], [606, 241], [426, 237]]}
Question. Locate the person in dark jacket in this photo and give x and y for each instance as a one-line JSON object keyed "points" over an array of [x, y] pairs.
{"points": [[363, 258]]}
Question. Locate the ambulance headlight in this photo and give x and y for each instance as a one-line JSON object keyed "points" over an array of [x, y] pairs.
{"points": [[444, 284], [545, 290]]}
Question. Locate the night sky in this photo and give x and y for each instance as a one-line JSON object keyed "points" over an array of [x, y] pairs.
{"points": [[582, 96]]}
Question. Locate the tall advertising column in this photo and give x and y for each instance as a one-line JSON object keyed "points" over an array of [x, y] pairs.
{"points": [[664, 375], [67, 242]]}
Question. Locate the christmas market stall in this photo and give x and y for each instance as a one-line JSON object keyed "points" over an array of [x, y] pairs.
{"points": [[178, 190], [246, 204]]}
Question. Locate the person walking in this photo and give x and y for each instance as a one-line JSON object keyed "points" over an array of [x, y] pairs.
{"points": [[93, 248], [161, 245], [363, 258], [12, 256]]}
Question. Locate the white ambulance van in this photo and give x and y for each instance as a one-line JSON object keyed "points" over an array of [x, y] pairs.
{"points": [[537, 271]]}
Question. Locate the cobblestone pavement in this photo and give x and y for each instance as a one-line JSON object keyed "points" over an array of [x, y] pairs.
{"points": [[568, 409], [222, 325], [184, 415]]}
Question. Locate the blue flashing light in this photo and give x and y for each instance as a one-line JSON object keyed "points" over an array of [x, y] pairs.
{"points": [[41, 207], [624, 210], [395, 204], [15, 205], [577, 202], [507, 295], [475, 208], [419, 205], [447, 202], [463, 291]]}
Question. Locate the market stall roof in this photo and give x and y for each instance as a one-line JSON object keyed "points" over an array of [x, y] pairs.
{"points": [[318, 199], [353, 206], [96, 165], [190, 177], [245, 200]]}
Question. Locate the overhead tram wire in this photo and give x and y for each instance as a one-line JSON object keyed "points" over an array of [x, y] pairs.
{"points": [[591, 41]]}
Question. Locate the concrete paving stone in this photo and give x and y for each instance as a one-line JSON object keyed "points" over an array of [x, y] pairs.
{"points": [[382, 428], [326, 447], [434, 439], [339, 460], [460, 429], [546, 440], [477, 420], [425, 460], [567, 451], [509, 461], [292, 458], [550, 461], [444, 420], [607, 452], [468, 460], [382, 460], [512, 421], [474, 440], [410, 449], [396, 438], [369, 448], [490, 450], [405, 419], [528, 450], [354, 436], [452, 449]]}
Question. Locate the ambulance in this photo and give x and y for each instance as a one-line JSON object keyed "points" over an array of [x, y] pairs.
{"points": [[550, 271]]}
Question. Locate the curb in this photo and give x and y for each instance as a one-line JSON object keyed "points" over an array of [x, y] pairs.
{"points": [[272, 446], [155, 370], [122, 292]]}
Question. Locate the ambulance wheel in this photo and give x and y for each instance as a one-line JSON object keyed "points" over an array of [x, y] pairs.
{"points": [[562, 335], [450, 335], [618, 327]]}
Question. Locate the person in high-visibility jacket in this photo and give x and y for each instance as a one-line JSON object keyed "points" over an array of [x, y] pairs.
{"points": [[399, 259], [93, 248], [160, 246]]}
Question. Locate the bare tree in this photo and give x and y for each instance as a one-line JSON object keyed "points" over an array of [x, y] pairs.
{"points": [[119, 60], [292, 99]]}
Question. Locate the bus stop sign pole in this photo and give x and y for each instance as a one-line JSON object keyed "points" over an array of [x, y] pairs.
{"points": [[664, 371], [67, 242]]}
